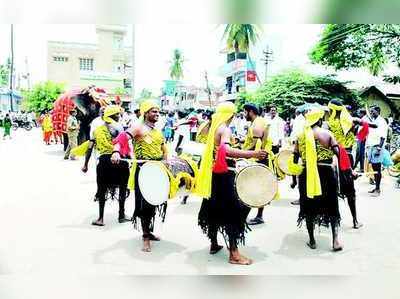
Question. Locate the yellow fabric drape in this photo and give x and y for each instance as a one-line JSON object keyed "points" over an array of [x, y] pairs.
{"points": [[109, 111], [81, 150], [346, 120], [294, 168], [224, 112], [313, 180]]}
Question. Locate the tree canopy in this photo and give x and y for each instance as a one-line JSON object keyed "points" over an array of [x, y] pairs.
{"points": [[42, 96], [5, 73], [372, 46], [176, 68], [239, 37], [294, 87]]}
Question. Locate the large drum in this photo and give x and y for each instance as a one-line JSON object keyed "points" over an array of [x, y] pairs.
{"points": [[256, 185], [282, 161], [158, 178]]}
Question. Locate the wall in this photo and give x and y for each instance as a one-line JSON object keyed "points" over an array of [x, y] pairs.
{"points": [[373, 99]]}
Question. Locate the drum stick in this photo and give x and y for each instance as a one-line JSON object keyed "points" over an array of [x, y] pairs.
{"points": [[367, 173]]}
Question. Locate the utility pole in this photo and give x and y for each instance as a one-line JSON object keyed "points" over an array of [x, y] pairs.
{"points": [[12, 70], [208, 88], [27, 75], [267, 59], [133, 82]]}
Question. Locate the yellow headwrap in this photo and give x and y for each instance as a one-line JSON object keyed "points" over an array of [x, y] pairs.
{"points": [[147, 105], [110, 111], [346, 120], [223, 113], [313, 181]]}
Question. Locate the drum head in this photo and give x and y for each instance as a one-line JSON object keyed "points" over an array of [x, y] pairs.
{"points": [[256, 185], [282, 161], [154, 183], [193, 148]]}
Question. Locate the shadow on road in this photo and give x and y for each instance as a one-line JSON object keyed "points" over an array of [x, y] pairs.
{"points": [[199, 259], [294, 247], [86, 224], [132, 247]]}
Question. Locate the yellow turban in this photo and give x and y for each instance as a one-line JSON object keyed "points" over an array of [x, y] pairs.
{"points": [[223, 113], [110, 111], [147, 105], [346, 120], [313, 181]]}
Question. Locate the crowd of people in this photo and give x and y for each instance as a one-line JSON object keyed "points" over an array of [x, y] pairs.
{"points": [[329, 142]]}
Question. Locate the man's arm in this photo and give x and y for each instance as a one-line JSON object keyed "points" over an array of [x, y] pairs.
{"points": [[87, 156]]}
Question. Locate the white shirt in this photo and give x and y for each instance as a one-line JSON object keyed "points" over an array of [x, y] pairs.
{"points": [[298, 126], [160, 124], [97, 122], [241, 125], [375, 134], [276, 129]]}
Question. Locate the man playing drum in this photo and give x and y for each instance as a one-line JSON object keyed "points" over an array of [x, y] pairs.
{"points": [[108, 174], [221, 209], [149, 144], [318, 182], [257, 132], [343, 126]]}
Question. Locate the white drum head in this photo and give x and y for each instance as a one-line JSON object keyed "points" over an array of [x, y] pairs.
{"points": [[154, 183], [256, 185]]}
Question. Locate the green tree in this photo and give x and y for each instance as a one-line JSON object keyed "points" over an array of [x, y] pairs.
{"points": [[5, 73], [120, 91], [372, 46], [42, 96], [294, 87], [239, 37], [145, 94], [176, 68]]}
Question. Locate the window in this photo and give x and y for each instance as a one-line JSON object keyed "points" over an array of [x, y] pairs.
{"points": [[117, 42], [60, 58], [86, 64]]}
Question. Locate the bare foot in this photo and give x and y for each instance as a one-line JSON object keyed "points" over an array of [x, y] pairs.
{"points": [[146, 245], [312, 245], [237, 259], [357, 225], [98, 222]]}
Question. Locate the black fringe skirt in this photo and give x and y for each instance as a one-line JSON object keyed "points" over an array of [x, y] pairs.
{"points": [[223, 211], [145, 211], [324, 209], [112, 179]]}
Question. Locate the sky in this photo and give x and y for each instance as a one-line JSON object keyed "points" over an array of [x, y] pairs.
{"points": [[201, 45]]}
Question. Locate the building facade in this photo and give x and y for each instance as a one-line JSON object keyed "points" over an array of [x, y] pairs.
{"points": [[5, 100], [106, 64]]}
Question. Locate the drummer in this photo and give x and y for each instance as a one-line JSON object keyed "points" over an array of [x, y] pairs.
{"points": [[149, 144], [108, 174], [257, 132], [343, 126], [318, 181], [221, 209]]}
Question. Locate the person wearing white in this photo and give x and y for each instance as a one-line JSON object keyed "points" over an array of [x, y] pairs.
{"points": [[241, 126], [276, 129], [375, 143], [298, 125]]}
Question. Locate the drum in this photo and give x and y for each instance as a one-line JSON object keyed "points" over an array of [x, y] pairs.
{"points": [[256, 185], [282, 161], [194, 150], [158, 178]]}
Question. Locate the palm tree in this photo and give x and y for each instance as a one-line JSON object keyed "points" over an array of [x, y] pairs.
{"points": [[176, 68], [239, 37]]}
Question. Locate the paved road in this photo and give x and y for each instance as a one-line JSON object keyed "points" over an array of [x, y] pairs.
{"points": [[46, 208]]}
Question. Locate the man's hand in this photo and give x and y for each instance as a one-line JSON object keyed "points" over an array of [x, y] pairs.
{"points": [[115, 157], [260, 155], [84, 168]]}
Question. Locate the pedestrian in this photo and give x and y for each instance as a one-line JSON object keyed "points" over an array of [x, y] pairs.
{"points": [[73, 131], [47, 127], [276, 129], [375, 143], [7, 126]]}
